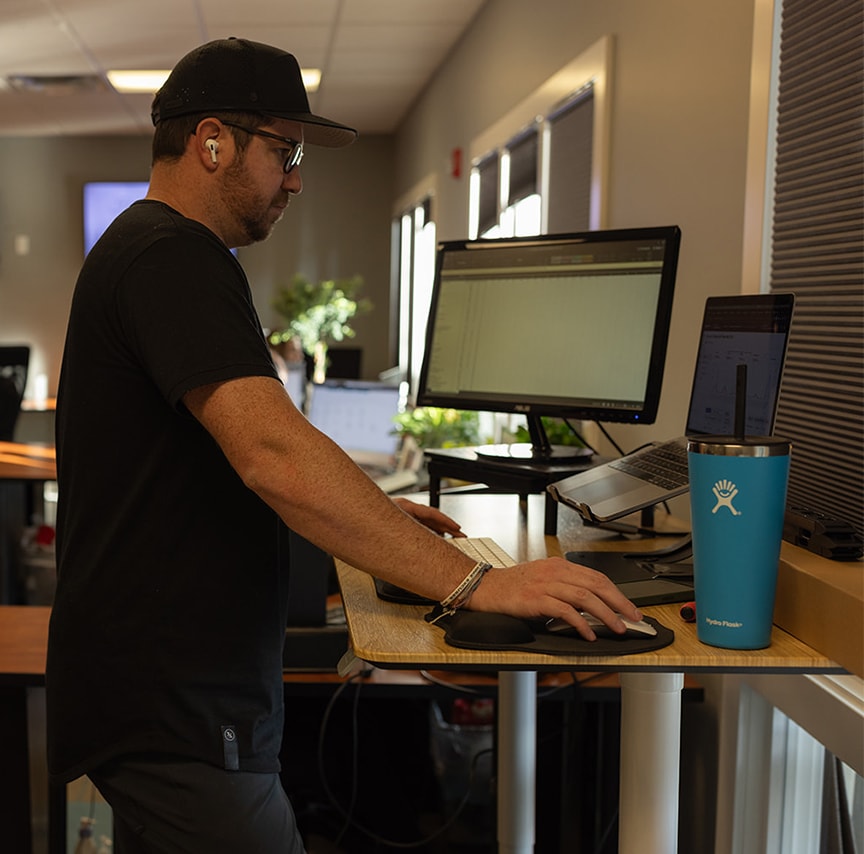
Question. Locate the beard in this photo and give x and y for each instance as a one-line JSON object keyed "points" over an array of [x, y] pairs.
{"points": [[254, 213]]}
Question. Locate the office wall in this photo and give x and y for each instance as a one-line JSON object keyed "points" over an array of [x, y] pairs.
{"points": [[679, 114], [339, 226]]}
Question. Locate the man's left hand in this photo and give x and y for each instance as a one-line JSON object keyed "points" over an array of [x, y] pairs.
{"points": [[431, 517]]}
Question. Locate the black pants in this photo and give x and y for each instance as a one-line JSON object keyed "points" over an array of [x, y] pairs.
{"points": [[176, 806]]}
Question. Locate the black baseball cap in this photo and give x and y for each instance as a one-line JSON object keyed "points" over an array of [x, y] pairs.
{"points": [[239, 75]]}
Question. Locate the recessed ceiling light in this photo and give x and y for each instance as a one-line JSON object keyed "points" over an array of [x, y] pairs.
{"points": [[150, 81], [137, 81]]}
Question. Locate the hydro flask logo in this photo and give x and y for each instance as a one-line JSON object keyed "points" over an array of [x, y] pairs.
{"points": [[724, 492]]}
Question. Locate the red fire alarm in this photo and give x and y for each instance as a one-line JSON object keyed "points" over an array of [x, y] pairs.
{"points": [[456, 163]]}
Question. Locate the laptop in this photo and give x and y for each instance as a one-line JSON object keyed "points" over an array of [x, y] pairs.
{"points": [[752, 330], [358, 416]]}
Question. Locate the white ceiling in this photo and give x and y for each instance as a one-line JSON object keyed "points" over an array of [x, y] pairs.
{"points": [[376, 55]]}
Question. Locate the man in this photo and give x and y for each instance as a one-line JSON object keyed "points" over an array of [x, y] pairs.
{"points": [[181, 457]]}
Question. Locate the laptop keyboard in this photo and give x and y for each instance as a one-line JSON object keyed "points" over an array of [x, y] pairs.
{"points": [[664, 465]]}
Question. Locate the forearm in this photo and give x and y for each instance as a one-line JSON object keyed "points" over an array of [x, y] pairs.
{"points": [[335, 505], [320, 493]]}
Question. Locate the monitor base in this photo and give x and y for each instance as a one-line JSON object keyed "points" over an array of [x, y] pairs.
{"points": [[525, 452]]}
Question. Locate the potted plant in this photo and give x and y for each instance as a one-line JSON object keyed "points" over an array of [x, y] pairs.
{"points": [[431, 427], [317, 313]]}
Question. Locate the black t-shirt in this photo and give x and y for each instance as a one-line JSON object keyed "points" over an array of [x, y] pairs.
{"points": [[167, 629]]}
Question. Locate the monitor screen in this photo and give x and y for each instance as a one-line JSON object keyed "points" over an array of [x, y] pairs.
{"points": [[573, 326], [358, 416]]}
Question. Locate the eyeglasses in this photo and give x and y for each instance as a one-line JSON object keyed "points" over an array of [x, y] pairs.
{"points": [[293, 146]]}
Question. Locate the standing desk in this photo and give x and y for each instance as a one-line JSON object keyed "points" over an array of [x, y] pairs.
{"points": [[396, 636]]}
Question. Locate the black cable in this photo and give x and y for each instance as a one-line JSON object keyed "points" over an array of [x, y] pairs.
{"points": [[611, 441], [578, 435], [457, 689], [346, 815]]}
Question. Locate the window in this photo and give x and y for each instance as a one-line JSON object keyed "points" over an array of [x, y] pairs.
{"points": [[414, 241], [571, 131], [539, 181], [794, 795], [541, 168], [487, 183]]}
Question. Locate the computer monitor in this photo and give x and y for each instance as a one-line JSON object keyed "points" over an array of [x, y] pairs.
{"points": [[103, 202], [568, 325], [358, 415]]}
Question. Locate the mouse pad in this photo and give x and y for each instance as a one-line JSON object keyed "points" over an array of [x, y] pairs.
{"points": [[480, 630]]}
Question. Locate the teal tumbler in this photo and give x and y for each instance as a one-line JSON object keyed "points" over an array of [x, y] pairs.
{"points": [[737, 504]]}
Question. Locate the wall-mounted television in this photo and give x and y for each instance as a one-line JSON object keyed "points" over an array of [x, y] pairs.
{"points": [[569, 325], [103, 201]]}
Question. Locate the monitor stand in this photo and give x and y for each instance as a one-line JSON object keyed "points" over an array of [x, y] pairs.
{"points": [[539, 450]]}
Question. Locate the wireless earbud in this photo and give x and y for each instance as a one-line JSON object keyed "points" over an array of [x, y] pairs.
{"points": [[213, 146]]}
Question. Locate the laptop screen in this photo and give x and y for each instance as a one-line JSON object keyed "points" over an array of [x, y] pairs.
{"points": [[357, 416], [751, 330]]}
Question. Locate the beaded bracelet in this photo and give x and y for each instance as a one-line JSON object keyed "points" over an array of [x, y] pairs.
{"points": [[460, 596]]}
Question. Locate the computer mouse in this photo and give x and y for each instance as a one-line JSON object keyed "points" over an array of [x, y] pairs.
{"points": [[641, 629]]}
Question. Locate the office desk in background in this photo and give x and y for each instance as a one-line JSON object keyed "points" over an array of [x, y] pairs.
{"points": [[24, 470], [396, 636], [36, 421]]}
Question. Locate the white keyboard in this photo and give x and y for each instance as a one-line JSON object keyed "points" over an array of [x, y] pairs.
{"points": [[483, 549]]}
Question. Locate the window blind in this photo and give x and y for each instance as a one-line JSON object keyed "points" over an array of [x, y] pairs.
{"points": [[488, 170], [523, 167], [817, 251], [571, 133]]}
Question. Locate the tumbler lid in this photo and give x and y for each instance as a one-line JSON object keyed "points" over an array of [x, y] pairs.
{"points": [[735, 446]]}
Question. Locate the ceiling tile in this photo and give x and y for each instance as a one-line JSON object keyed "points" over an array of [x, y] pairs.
{"points": [[376, 55]]}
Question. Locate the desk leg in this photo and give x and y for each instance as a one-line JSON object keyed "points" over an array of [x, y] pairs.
{"points": [[434, 485], [517, 761], [650, 762], [550, 516]]}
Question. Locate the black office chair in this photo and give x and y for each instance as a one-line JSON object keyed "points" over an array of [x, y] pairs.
{"points": [[14, 361]]}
